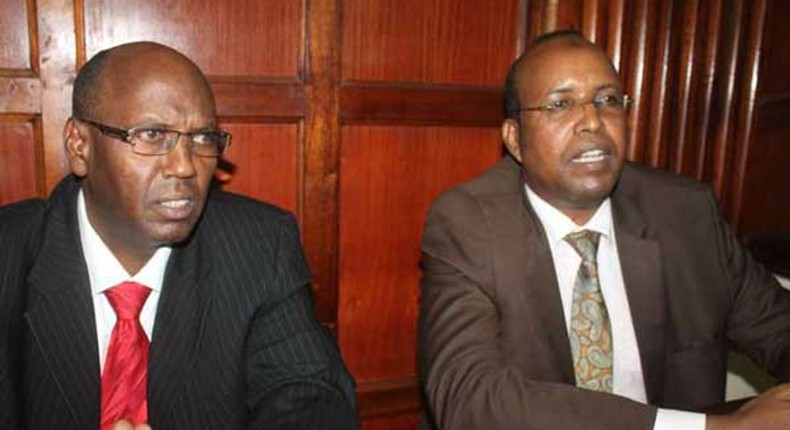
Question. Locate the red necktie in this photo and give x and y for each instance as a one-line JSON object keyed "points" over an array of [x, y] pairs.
{"points": [[123, 382]]}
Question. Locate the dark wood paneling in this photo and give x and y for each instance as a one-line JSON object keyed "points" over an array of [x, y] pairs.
{"points": [[762, 153], [745, 117], [660, 103], [15, 39], [264, 163], [389, 177], [447, 41], [389, 398], [776, 59], [397, 422], [426, 104], [236, 38], [638, 72], [766, 207], [19, 160], [273, 100]]}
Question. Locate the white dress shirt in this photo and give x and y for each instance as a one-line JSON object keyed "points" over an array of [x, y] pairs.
{"points": [[105, 271], [628, 380]]}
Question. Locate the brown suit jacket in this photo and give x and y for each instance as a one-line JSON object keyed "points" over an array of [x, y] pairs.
{"points": [[494, 351]]}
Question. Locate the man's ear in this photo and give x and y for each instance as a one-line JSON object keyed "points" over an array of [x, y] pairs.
{"points": [[510, 135], [78, 147]]}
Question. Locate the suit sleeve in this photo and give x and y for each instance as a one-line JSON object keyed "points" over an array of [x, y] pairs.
{"points": [[469, 381], [295, 376], [759, 316]]}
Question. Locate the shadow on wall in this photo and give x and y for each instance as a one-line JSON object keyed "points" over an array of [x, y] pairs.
{"points": [[744, 379]]}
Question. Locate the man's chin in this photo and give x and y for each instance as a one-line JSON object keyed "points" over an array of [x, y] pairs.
{"points": [[173, 234]]}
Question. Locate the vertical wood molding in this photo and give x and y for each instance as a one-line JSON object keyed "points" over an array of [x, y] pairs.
{"points": [[708, 76], [32, 29], [614, 40], [590, 18], [685, 83], [522, 28], [57, 44], [745, 122], [638, 62], [321, 148], [723, 135], [659, 108]]}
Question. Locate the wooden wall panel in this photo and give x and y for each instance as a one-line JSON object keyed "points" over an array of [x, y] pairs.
{"points": [[15, 43], [228, 38], [389, 177], [19, 158], [264, 163], [450, 41], [766, 210]]}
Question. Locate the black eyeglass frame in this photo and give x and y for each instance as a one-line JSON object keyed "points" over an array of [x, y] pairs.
{"points": [[546, 108], [125, 135]]}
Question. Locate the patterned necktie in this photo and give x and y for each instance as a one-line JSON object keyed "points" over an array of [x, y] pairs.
{"points": [[590, 334], [123, 381]]}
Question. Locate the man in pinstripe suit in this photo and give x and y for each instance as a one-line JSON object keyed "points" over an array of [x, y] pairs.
{"points": [[233, 339]]}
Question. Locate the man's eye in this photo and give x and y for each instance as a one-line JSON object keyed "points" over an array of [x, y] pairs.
{"points": [[151, 135], [206, 138], [609, 100], [559, 105]]}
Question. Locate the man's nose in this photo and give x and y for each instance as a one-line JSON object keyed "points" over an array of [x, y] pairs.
{"points": [[179, 162], [590, 117]]}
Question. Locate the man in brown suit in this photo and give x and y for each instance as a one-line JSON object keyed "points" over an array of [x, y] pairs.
{"points": [[501, 332]]}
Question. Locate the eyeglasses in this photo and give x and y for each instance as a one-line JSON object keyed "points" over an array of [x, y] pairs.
{"points": [[160, 141], [606, 104]]}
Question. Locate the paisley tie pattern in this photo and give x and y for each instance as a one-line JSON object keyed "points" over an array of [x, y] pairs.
{"points": [[590, 333]]}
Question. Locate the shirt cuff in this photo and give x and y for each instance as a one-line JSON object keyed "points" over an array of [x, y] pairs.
{"points": [[670, 419]]}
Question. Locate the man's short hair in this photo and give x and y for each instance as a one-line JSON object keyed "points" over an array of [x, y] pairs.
{"points": [[512, 102], [85, 97]]}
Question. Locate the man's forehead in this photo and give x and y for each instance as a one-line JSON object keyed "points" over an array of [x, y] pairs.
{"points": [[561, 66]]}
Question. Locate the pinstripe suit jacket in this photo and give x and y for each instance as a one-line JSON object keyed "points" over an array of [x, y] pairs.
{"points": [[235, 344]]}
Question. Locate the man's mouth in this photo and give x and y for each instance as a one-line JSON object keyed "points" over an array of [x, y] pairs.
{"points": [[176, 208], [590, 156]]}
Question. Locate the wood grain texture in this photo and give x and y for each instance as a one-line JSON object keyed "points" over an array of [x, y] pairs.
{"points": [[264, 163], [56, 26], [20, 95], [724, 129], [745, 121], [389, 177], [15, 40], [320, 160], [421, 104], [385, 398], [438, 41], [19, 161], [273, 100], [242, 38]]}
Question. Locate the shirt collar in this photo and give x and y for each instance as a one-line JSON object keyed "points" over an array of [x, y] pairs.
{"points": [[558, 225], [104, 270]]}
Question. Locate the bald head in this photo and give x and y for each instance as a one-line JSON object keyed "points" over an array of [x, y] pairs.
{"points": [[530, 60], [124, 67]]}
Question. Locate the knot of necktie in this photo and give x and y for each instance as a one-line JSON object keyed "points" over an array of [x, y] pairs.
{"points": [[585, 242], [127, 299]]}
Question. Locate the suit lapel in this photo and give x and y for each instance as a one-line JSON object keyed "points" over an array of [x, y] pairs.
{"points": [[60, 311], [528, 261], [178, 328], [541, 284], [640, 260]]}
